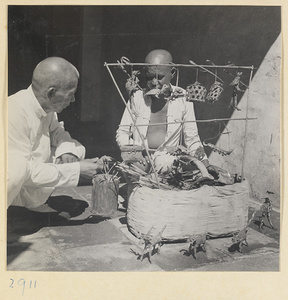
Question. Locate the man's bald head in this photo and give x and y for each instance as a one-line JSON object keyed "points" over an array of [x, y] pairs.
{"points": [[158, 56], [54, 71], [54, 83]]}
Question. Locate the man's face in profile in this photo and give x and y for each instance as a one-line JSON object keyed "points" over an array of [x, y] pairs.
{"points": [[63, 97]]}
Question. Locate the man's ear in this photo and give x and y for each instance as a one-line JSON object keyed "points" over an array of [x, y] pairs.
{"points": [[51, 92]]}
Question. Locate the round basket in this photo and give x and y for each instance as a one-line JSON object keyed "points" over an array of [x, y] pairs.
{"points": [[212, 210], [196, 92], [214, 92]]}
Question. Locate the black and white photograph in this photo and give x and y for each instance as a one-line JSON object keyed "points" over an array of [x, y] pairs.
{"points": [[143, 138]]}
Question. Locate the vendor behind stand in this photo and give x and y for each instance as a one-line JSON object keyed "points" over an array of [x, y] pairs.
{"points": [[41, 154], [161, 102]]}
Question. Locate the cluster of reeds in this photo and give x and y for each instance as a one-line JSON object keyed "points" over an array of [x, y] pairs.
{"points": [[137, 176], [109, 173], [176, 178]]}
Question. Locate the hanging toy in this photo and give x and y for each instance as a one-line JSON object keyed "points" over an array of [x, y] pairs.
{"points": [[196, 92], [132, 82], [236, 89], [216, 89]]}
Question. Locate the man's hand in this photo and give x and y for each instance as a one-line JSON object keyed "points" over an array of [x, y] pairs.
{"points": [[92, 166], [104, 159], [214, 171], [89, 167], [66, 158]]}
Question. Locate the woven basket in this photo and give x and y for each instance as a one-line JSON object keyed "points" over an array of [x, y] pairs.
{"points": [[196, 92], [131, 153], [214, 92], [212, 210]]}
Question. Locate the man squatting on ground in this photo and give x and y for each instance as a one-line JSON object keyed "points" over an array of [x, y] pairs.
{"points": [[41, 154], [148, 109]]}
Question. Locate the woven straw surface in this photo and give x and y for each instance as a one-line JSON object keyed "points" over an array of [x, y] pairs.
{"points": [[212, 210], [131, 153]]}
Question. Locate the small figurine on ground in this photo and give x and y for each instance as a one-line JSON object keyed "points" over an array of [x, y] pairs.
{"points": [[265, 211], [151, 243], [196, 241], [240, 238]]}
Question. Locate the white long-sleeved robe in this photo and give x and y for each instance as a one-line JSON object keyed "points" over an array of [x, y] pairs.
{"points": [[179, 110], [35, 139]]}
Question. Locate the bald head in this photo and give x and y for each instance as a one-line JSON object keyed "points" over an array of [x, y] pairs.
{"points": [[54, 83], [158, 56], [54, 71]]}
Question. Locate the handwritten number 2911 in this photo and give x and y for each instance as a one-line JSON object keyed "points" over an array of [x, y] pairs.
{"points": [[22, 283]]}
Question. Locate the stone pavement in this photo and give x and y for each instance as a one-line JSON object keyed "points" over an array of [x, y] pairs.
{"points": [[87, 242]]}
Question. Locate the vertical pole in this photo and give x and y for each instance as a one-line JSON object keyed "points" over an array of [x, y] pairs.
{"points": [[177, 77], [246, 124], [134, 124]]}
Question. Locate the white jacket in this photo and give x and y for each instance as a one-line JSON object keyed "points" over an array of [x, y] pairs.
{"points": [[178, 110], [33, 137]]}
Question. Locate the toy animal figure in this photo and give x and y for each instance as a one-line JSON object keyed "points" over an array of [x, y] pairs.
{"points": [[217, 149], [186, 158], [178, 92], [132, 83], [151, 243], [236, 89], [196, 241], [240, 238], [265, 211]]}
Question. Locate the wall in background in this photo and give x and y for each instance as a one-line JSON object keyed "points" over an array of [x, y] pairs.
{"points": [[256, 149], [88, 36]]}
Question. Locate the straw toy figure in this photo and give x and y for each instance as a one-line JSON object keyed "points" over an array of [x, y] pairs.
{"points": [[265, 211], [197, 241], [240, 238], [151, 243], [236, 89]]}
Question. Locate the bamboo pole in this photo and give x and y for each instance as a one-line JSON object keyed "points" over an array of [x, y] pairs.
{"points": [[185, 65], [246, 125], [196, 121], [205, 69], [134, 123]]}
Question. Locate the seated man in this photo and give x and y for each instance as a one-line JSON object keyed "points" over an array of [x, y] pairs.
{"points": [[41, 154], [165, 105]]}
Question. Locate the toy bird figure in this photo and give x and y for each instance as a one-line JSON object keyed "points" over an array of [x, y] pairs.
{"points": [[151, 243], [265, 211], [240, 238], [197, 241], [236, 89], [132, 83]]}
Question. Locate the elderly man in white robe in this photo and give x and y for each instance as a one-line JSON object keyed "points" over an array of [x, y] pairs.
{"points": [[42, 156]]}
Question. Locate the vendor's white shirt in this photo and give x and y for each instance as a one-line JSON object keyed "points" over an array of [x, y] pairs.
{"points": [[33, 137], [178, 110]]}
